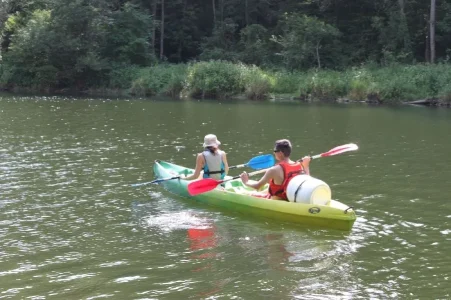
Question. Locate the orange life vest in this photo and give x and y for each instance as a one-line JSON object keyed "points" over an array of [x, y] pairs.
{"points": [[289, 171]]}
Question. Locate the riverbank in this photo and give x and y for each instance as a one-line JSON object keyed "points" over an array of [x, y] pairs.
{"points": [[420, 84]]}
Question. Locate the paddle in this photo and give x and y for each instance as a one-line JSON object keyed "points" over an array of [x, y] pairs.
{"points": [[156, 181], [208, 184], [258, 162]]}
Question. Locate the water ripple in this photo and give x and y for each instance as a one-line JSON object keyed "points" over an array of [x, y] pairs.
{"points": [[71, 225]]}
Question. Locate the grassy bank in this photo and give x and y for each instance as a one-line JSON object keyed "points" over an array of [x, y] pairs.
{"points": [[223, 80]]}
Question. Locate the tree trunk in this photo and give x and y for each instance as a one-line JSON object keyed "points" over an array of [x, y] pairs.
{"points": [[401, 7], [154, 24], [432, 31], [162, 31], [246, 12], [427, 55], [214, 12], [222, 12], [5, 7], [404, 28], [317, 55], [182, 36]]}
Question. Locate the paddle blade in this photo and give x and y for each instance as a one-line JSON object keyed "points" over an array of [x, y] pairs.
{"points": [[202, 186], [262, 162], [340, 149]]}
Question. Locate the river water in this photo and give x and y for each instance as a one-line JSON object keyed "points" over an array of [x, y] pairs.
{"points": [[72, 227]]}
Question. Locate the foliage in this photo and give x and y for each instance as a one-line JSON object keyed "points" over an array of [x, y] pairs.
{"points": [[214, 79], [253, 46], [127, 36], [74, 45], [257, 84], [326, 86], [283, 82], [161, 79], [21, 65], [303, 39], [222, 42]]}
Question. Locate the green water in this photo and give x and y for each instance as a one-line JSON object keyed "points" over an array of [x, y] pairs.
{"points": [[72, 227]]}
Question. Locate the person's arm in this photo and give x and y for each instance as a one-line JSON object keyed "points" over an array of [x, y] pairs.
{"points": [[306, 164], [226, 164], [264, 180], [199, 166]]}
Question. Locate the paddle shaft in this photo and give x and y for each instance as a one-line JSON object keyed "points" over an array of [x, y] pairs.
{"points": [[156, 181], [237, 166], [238, 176], [334, 151], [260, 171], [264, 170], [316, 156]]}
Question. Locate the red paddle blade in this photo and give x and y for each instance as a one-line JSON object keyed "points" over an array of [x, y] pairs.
{"points": [[202, 186], [340, 149]]}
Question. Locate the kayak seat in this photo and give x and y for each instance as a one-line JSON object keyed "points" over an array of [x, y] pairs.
{"points": [[185, 172], [236, 186]]}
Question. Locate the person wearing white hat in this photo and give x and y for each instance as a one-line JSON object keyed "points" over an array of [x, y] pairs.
{"points": [[212, 161]]}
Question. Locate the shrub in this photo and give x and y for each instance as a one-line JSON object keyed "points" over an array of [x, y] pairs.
{"points": [[256, 83], [162, 79], [285, 82], [214, 79]]}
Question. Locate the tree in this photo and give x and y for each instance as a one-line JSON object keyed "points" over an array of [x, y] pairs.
{"points": [[182, 33], [254, 48], [127, 37], [154, 23], [5, 8], [162, 31], [303, 39], [222, 44], [213, 4], [432, 31]]}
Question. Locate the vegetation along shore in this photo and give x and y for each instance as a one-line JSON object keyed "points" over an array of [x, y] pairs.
{"points": [[374, 51]]}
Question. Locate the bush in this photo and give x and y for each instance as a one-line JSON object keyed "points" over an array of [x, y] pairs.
{"points": [[359, 85], [256, 83], [162, 79], [214, 79], [326, 85], [121, 77], [285, 82]]}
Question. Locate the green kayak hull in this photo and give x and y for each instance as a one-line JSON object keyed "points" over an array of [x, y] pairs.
{"points": [[335, 215]]}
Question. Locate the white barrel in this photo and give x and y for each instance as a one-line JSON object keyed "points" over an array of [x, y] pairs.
{"points": [[309, 190]]}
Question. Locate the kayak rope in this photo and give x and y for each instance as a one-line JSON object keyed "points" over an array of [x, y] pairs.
{"points": [[350, 207], [297, 190]]}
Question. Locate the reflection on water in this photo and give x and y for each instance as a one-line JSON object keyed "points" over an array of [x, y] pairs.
{"points": [[72, 227], [203, 241], [278, 255]]}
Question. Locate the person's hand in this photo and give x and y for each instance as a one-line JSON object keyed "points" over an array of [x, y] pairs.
{"points": [[244, 177], [306, 160]]}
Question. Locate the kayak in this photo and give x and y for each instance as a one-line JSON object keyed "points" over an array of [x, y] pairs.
{"points": [[235, 196]]}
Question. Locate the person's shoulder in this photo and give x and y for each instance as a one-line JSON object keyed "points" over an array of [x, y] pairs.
{"points": [[275, 168]]}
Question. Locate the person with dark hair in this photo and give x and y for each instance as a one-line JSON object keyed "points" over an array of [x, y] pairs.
{"points": [[212, 161], [279, 175]]}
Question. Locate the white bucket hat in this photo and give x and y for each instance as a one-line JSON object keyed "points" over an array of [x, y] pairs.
{"points": [[210, 140]]}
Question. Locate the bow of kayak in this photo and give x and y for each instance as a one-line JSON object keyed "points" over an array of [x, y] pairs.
{"points": [[235, 196]]}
